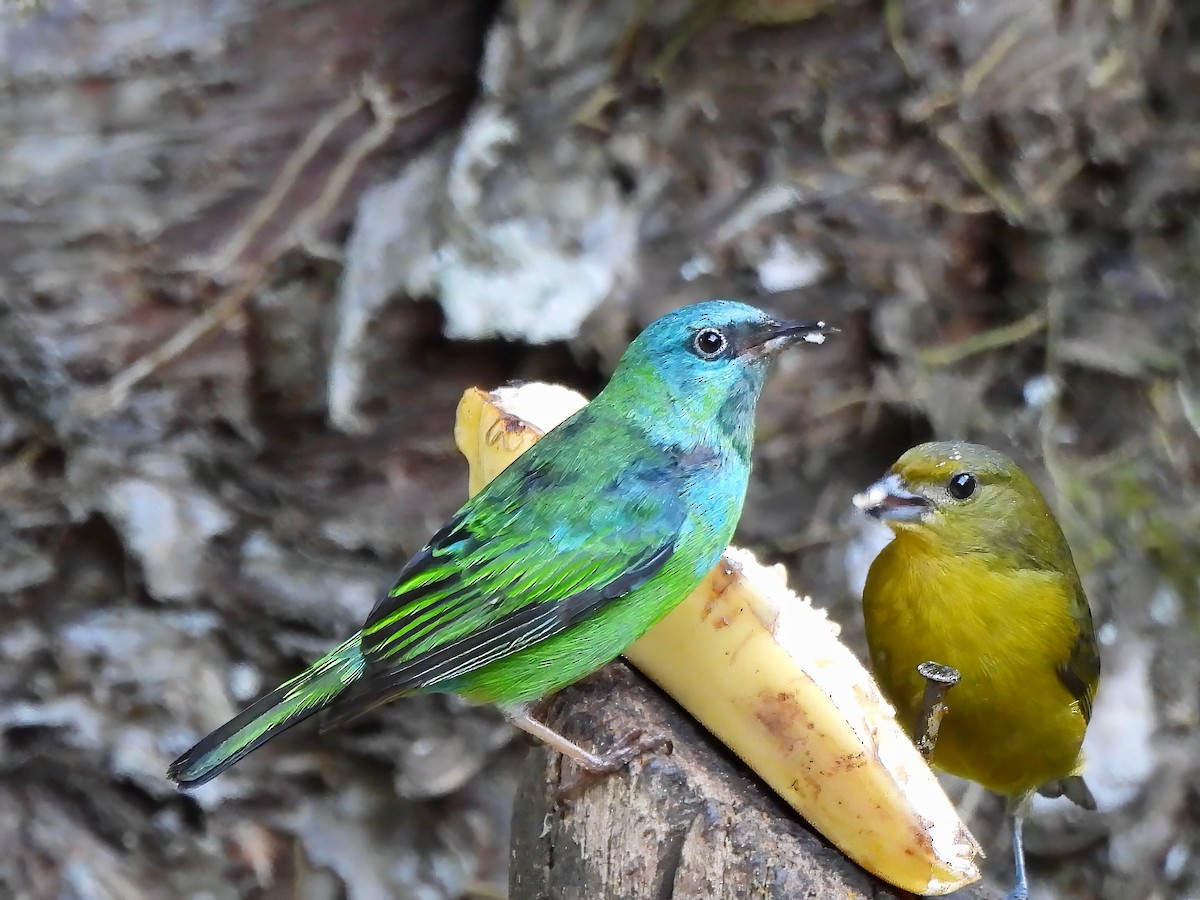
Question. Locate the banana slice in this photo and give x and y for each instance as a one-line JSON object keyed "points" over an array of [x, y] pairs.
{"points": [[764, 671], [492, 429]]}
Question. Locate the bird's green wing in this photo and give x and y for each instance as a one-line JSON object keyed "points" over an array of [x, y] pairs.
{"points": [[1080, 673], [547, 547]]}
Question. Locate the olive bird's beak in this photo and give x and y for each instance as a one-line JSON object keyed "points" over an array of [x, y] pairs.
{"points": [[775, 336], [889, 500]]}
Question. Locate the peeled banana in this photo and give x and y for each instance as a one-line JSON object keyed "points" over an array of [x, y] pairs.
{"points": [[767, 675]]}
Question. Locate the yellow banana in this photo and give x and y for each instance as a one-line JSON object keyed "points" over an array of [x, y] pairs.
{"points": [[766, 673]]}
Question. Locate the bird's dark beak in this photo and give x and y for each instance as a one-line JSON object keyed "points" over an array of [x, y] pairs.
{"points": [[889, 499], [769, 339]]}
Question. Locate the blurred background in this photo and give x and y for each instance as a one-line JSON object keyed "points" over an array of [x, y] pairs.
{"points": [[252, 252]]}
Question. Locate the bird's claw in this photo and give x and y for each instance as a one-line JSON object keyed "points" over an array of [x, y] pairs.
{"points": [[631, 745]]}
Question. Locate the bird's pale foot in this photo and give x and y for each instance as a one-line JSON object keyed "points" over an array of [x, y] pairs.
{"points": [[1017, 893], [595, 766], [627, 749]]}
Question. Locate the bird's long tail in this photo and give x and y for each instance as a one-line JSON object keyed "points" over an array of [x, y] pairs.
{"points": [[290, 703]]}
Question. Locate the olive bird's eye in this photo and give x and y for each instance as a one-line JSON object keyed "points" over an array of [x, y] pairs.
{"points": [[962, 485], [709, 343]]}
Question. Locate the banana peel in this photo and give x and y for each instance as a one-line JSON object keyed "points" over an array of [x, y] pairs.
{"points": [[766, 674]]}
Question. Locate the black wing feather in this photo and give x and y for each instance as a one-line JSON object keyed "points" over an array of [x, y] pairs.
{"points": [[517, 630]]}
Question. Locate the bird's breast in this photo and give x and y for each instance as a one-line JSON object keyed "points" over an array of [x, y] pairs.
{"points": [[1011, 720]]}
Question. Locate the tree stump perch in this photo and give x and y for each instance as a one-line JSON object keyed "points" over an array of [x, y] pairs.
{"points": [[687, 824]]}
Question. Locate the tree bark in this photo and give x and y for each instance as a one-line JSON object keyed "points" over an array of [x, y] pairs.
{"points": [[995, 202]]}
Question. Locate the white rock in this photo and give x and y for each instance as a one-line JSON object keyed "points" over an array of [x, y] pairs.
{"points": [[786, 269], [165, 523]]}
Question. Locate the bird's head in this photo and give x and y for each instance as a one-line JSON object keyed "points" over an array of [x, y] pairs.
{"points": [[967, 498], [713, 357]]}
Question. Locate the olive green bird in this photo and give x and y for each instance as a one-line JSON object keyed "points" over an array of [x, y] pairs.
{"points": [[980, 578], [569, 555]]}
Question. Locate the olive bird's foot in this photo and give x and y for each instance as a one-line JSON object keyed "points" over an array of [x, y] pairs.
{"points": [[1018, 807]]}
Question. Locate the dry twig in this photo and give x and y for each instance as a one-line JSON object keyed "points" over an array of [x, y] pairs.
{"points": [[104, 400], [992, 339]]}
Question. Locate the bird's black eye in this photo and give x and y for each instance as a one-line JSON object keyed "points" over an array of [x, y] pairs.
{"points": [[709, 343], [962, 485]]}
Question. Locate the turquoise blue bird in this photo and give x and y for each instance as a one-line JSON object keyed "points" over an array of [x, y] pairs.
{"points": [[568, 556]]}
